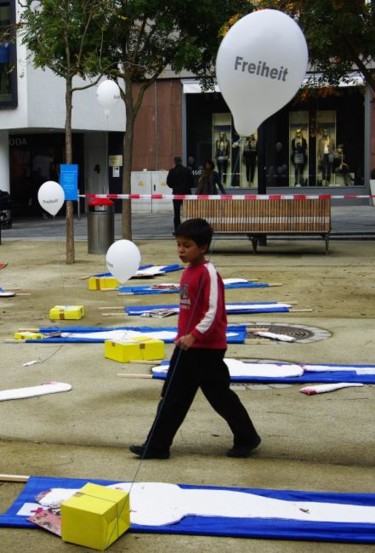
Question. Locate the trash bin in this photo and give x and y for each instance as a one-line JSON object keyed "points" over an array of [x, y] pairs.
{"points": [[100, 225]]}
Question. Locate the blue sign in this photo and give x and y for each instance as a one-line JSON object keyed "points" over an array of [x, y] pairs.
{"points": [[69, 180]]}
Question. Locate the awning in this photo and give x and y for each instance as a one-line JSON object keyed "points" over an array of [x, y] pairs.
{"points": [[191, 86]]}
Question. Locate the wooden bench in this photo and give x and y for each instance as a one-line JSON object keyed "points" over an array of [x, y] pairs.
{"points": [[258, 218]]}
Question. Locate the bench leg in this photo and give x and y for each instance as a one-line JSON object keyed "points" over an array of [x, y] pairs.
{"points": [[254, 242], [326, 237]]}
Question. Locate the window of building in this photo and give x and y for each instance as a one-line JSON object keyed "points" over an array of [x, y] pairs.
{"points": [[8, 66]]}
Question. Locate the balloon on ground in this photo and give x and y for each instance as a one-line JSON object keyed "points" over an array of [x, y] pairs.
{"points": [[260, 65], [51, 197], [108, 94], [123, 258]]}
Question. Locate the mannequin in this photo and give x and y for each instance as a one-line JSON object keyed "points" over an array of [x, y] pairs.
{"points": [[250, 155], [299, 156], [222, 155], [326, 147], [340, 167]]}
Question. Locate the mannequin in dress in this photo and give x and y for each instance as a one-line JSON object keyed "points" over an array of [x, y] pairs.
{"points": [[299, 156], [250, 154], [326, 148], [222, 155]]}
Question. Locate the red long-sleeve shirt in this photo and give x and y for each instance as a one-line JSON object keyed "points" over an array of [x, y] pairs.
{"points": [[202, 307]]}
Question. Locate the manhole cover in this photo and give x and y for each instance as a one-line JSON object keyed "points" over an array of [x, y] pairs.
{"points": [[301, 333]]}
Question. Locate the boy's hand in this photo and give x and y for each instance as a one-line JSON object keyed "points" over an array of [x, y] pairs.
{"points": [[185, 342]]}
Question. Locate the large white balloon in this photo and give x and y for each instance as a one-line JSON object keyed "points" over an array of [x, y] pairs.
{"points": [[51, 197], [260, 65], [123, 259], [108, 94]]}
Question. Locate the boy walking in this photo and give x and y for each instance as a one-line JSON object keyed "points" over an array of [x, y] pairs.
{"points": [[198, 358]]}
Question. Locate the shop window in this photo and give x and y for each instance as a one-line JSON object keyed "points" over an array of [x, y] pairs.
{"points": [[8, 77]]}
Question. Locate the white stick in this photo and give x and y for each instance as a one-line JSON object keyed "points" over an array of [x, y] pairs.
{"points": [[13, 478], [129, 375], [109, 307]]}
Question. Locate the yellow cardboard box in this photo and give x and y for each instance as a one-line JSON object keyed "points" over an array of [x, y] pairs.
{"points": [[27, 335], [143, 349], [95, 516], [66, 312], [103, 283]]}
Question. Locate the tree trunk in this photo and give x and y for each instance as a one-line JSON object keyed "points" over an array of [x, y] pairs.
{"points": [[69, 159], [133, 100], [126, 220]]}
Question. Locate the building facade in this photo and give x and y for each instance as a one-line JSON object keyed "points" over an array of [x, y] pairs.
{"points": [[324, 141], [32, 123]]}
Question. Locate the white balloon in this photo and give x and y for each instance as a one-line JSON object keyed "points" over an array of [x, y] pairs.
{"points": [[260, 65], [51, 197], [123, 259], [108, 94]]}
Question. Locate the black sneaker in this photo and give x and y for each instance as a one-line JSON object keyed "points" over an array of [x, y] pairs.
{"points": [[243, 451], [149, 452]]}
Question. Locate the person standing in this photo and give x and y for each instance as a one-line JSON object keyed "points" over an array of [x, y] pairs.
{"points": [[209, 182], [198, 357], [180, 179]]}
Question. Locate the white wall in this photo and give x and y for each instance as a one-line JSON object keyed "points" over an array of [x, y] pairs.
{"points": [[41, 102], [46, 105]]}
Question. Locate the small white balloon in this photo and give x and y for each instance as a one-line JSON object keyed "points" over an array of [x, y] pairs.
{"points": [[260, 65], [123, 259], [51, 197], [108, 94]]}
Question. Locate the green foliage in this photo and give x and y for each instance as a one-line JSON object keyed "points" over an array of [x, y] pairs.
{"points": [[148, 36], [340, 35], [64, 35]]}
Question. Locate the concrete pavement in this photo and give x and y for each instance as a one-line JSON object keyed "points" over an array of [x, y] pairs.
{"points": [[355, 221], [318, 443]]}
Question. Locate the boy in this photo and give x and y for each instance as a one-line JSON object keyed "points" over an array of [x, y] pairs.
{"points": [[198, 358]]}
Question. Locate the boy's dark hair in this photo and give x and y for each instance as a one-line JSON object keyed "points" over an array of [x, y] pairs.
{"points": [[198, 230]]}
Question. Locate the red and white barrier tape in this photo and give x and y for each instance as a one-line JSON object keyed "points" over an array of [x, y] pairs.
{"points": [[226, 197]]}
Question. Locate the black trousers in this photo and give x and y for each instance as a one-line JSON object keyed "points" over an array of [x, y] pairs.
{"points": [[177, 204], [222, 166], [250, 164], [189, 371], [326, 167]]}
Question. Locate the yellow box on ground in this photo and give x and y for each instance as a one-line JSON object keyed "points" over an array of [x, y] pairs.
{"points": [[103, 283], [27, 335], [66, 312], [146, 349], [95, 516]]}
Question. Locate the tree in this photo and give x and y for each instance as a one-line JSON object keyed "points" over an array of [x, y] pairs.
{"points": [[144, 37], [66, 36], [130, 41], [340, 35]]}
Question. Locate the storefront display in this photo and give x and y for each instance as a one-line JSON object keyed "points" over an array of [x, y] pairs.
{"points": [[316, 141]]}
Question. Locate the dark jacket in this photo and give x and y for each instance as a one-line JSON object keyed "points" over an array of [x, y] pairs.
{"points": [[209, 183], [180, 179]]}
